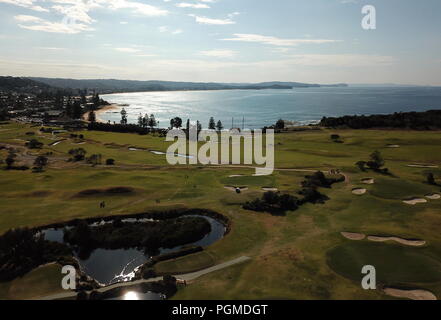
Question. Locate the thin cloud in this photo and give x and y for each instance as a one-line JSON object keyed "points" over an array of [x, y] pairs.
{"points": [[192, 5], [76, 13], [218, 53], [274, 41], [205, 20], [128, 50]]}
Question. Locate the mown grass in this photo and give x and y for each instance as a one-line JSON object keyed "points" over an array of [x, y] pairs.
{"points": [[186, 264], [288, 253], [414, 265], [40, 282]]}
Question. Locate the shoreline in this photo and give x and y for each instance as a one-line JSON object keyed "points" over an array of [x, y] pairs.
{"points": [[99, 112]]}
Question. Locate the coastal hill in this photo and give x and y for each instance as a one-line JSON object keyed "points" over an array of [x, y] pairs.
{"points": [[113, 85], [22, 85]]}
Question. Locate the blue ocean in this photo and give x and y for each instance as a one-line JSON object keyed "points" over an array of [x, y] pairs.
{"points": [[259, 108]]}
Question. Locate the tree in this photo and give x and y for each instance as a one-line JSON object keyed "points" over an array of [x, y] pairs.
{"points": [[94, 159], [69, 109], [34, 144], [280, 124], [123, 116], [271, 197], [77, 110], [377, 161], [431, 178], [152, 121], [145, 121], [46, 117], [40, 162], [361, 165], [91, 117], [9, 161], [96, 101], [219, 126], [198, 126], [140, 120], [176, 123], [3, 114], [211, 124], [77, 154], [110, 162]]}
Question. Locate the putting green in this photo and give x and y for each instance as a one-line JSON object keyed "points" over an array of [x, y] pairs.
{"points": [[393, 188], [394, 264]]}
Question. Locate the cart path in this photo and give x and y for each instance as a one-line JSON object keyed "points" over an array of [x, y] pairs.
{"points": [[187, 277]]}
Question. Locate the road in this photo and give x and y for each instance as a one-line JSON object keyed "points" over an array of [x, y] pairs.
{"points": [[187, 277]]}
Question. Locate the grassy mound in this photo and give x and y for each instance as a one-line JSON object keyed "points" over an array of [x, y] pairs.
{"points": [[44, 280], [105, 192], [186, 264], [257, 181], [394, 264]]}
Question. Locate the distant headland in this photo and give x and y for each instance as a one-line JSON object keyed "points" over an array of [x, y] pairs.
{"points": [[120, 86]]}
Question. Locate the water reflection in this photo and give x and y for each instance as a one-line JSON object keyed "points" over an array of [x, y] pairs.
{"points": [[119, 265], [131, 295], [134, 295]]}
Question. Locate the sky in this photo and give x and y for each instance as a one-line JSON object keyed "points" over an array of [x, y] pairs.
{"points": [[314, 41]]}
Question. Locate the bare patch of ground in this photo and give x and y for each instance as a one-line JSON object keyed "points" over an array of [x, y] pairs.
{"points": [[270, 189]]}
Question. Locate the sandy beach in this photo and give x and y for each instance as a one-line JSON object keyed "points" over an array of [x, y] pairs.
{"points": [[100, 111]]}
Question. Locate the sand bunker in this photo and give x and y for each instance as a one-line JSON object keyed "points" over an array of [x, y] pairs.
{"points": [[393, 146], [368, 180], [406, 242], [55, 143], [353, 236], [235, 189], [235, 176], [359, 191], [422, 165], [410, 294], [270, 189], [434, 196], [415, 201]]}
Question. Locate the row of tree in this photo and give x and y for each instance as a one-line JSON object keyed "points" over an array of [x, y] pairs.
{"points": [[212, 124], [412, 120], [146, 121]]}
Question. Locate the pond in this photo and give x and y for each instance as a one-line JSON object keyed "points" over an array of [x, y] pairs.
{"points": [[108, 266]]}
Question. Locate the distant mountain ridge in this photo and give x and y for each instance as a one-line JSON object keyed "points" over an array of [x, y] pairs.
{"points": [[22, 84], [113, 85]]}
